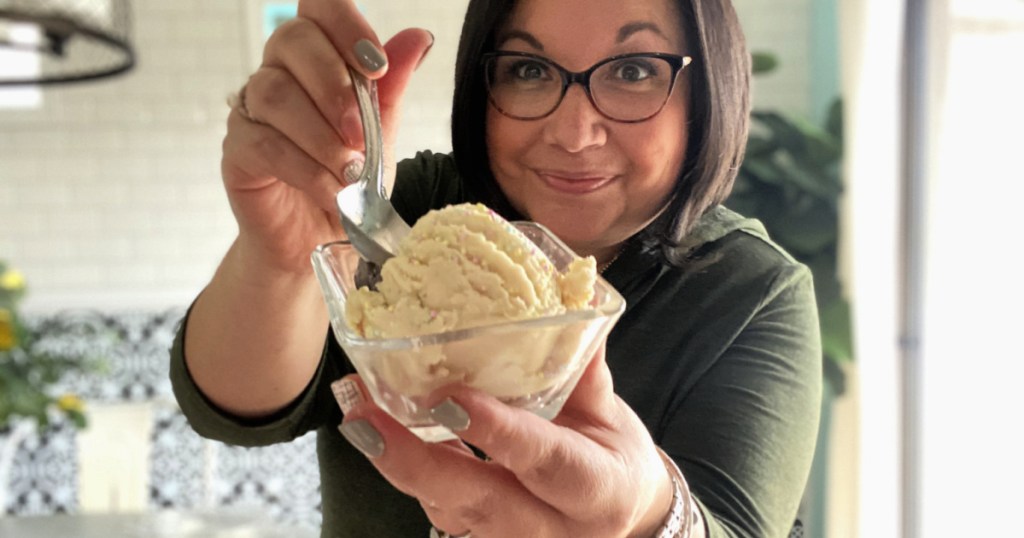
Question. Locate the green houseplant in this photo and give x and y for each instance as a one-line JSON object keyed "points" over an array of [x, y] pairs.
{"points": [[32, 363], [29, 367], [791, 180]]}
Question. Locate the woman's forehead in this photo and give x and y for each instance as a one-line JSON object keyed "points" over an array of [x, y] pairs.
{"points": [[596, 25]]}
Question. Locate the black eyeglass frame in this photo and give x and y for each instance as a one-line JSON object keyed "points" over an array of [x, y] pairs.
{"points": [[676, 62]]}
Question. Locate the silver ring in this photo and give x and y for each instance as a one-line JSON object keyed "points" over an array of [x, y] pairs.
{"points": [[237, 102], [437, 533]]}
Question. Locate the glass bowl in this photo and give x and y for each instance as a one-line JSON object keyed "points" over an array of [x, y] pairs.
{"points": [[532, 364]]}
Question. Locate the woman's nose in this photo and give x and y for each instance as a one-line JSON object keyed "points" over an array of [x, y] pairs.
{"points": [[575, 125]]}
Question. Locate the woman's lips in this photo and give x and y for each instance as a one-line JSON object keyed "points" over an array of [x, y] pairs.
{"points": [[574, 182]]}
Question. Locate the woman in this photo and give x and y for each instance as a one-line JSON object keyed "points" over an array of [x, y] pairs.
{"points": [[715, 363]]}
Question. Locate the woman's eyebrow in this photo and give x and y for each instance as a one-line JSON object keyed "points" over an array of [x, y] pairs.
{"points": [[521, 35], [638, 26], [624, 33]]}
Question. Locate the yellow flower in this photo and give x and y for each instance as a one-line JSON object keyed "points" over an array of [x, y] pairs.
{"points": [[7, 336], [70, 402], [12, 280]]}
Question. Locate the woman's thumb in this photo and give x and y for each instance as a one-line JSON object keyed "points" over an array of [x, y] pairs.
{"points": [[405, 51], [593, 393]]}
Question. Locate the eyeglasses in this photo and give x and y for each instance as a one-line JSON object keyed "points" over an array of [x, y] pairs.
{"points": [[628, 88]]}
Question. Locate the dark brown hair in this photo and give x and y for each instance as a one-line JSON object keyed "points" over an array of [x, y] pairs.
{"points": [[719, 110]]}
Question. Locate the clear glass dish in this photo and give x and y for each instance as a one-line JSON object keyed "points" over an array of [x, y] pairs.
{"points": [[532, 364]]}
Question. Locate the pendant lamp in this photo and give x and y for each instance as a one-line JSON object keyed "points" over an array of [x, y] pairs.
{"points": [[73, 40]]}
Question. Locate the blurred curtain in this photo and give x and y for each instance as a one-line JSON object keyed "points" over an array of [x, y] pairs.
{"points": [[935, 107]]}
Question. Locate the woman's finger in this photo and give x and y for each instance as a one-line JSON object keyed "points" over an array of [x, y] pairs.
{"points": [[301, 48], [548, 460], [443, 520], [260, 154], [350, 33], [405, 52], [594, 448], [275, 97], [462, 491], [593, 398], [305, 50], [510, 436]]}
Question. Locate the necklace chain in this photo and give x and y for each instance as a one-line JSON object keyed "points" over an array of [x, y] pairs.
{"points": [[601, 268]]}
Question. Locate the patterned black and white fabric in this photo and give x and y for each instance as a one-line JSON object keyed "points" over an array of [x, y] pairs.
{"points": [[44, 476], [186, 471]]}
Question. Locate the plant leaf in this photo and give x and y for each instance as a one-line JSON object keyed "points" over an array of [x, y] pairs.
{"points": [[763, 62], [836, 331]]}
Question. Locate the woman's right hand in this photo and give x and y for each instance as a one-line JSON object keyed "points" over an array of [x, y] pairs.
{"points": [[256, 333], [297, 129]]}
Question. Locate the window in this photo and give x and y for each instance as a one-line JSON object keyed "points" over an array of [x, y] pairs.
{"points": [[972, 361], [17, 61]]}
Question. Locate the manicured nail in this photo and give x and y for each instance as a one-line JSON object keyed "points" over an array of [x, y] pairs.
{"points": [[369, 56], [348, 393], [427, 51], [352, 171], [450, 415], [362, 435]]}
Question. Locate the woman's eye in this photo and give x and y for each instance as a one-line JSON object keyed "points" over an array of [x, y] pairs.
{"points": [[530, 70], [634, 71]]}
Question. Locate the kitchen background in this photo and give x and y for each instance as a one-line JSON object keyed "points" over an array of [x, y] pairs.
{"points": [[111, 207]]}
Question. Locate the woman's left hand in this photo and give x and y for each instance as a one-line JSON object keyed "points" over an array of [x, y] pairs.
{"points": [[592, 471]]}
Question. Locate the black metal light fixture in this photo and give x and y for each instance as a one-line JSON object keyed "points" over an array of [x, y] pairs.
{"points": [[75, 40]]}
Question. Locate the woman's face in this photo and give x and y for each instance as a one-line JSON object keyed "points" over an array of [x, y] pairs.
{"points": [[593, 181]]}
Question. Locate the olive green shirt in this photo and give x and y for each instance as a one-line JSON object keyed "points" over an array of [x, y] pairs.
{"points": [[719, 357]]}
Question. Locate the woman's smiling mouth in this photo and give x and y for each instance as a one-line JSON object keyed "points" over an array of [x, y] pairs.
{"points": [[574, 182]]}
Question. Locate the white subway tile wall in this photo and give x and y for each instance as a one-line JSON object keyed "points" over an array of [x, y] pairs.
{"points": [[110, 192]]}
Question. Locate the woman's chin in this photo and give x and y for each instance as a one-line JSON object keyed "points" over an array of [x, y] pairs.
{"points": [[582, 241], [585, 230]]}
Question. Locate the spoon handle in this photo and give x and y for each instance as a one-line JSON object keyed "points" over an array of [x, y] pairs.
{"points": [[369, 113]]}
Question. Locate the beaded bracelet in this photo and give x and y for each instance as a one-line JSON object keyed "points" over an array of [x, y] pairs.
{"points": [[684, 518]]}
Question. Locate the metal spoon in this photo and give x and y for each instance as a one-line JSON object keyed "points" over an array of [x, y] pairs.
{"points": [[373, 226]]}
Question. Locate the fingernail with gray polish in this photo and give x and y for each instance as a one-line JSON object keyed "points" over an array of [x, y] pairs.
{"points": [[450, 415], [362, 435], [370, 57]]}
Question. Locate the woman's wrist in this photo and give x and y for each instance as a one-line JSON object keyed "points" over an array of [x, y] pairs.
{"points": [[684, 519]]}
